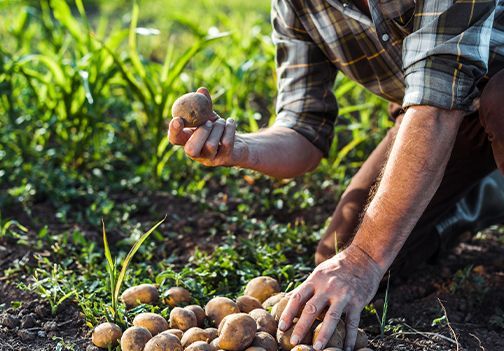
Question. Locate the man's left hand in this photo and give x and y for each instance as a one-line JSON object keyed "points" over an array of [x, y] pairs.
{"points": [[345, 283]]}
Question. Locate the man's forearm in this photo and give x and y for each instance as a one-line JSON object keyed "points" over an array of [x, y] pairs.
{"points": [[277, 151], [413, 172]]}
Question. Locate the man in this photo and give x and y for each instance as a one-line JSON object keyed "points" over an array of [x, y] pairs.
{"points": [[442, 62]]}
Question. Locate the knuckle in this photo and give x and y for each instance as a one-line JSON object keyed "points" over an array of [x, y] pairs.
{"points": [[352, 324], [212, 146], [333, 314], [296, 297], [310, 308], [190, 151]]}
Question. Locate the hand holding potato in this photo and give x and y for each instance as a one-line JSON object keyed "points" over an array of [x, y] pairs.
{"points": [[214, 142]]}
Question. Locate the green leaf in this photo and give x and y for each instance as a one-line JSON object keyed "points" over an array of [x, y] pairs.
{"points": [[135, 58], [51, 64], [129, 257], [63, 14]]}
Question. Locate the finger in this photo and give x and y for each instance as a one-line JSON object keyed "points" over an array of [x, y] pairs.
{"points": [[352, 324], [310, 312], [205, 92], [212, 144], [228, 138], [195, 143], [297, 299], [329, 324], [177, 134]]}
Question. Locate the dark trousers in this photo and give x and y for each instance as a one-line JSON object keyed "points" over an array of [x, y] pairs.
{"points": [[478, 149]]}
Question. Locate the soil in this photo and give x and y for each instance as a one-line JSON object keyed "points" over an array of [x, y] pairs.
{"points": [[467, 283]]}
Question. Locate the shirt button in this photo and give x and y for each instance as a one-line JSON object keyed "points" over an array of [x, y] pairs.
{"points": [[385, 37]]}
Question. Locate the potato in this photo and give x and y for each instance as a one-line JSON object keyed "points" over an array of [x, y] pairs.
{"points": [[337, 339], [302, 347], [177, 332], [137, 295], [135, 338], [212, 333], [215, 344], [177, 296], [199, 346], [236, 332], [163, 342], [272, 301], [154, 323], [248, 303], [279, 308], [254, 348], [194, 108], [266, 341], [264, 321], [283, 338], [219, 307], [198, 312], [194, 334], [106, 335], [362, 339], [182, 319], [262, 287], [333, 349]]}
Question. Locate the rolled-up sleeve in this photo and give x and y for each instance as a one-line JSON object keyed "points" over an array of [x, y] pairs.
{"points": [[447, 53], [305, 101]]}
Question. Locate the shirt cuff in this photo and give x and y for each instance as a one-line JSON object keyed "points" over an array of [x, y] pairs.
{"points": [[439, 85]]}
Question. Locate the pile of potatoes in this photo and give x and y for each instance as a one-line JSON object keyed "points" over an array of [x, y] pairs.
{"points": [[223, 324]]}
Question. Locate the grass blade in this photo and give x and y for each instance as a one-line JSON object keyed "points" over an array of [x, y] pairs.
{"points": [[129, 257]]}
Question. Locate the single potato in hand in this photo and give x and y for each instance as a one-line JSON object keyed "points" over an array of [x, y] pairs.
{"points": [[194, 108]]}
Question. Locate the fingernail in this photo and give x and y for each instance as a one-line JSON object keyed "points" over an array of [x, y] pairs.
{"points": [[318, 345], [230, 120], [282, 325], [208, 124], [294, 340]]}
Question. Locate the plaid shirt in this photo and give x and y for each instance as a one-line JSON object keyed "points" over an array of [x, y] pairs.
{"points": [[423, 52]]}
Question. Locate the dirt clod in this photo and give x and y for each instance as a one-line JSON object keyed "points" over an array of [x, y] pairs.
{"points": [[9, 321]]}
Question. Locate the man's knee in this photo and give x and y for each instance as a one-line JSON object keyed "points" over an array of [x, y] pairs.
{"points": [[492, 107]]}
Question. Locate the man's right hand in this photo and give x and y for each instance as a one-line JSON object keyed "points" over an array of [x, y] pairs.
{"points": [[214, 143]]}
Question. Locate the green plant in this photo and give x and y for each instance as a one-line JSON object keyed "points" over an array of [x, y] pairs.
{"points": [[383, 319], [52, 286], [116, 278]]}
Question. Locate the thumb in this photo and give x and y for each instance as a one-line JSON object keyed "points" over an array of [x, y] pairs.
{"points": [[205, 92]]}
